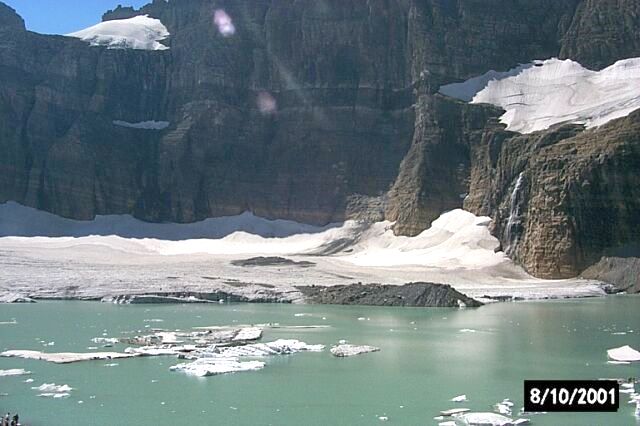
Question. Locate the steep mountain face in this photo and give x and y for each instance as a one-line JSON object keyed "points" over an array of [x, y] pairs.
{"points": [[561, 197], [321, 111]]}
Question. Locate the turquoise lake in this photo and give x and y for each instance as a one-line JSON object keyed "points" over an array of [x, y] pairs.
{"points": [[425, 360]]}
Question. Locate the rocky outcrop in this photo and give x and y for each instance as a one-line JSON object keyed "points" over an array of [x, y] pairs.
{"points": [[434, 175], [357, 130], [620, 267], [560, 198], [412, 294], [602, 32]]}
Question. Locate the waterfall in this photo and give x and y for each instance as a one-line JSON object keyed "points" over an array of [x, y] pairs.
{"points": [[514, 223]]}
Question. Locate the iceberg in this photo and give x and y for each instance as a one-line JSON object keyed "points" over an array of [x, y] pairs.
{"points": [[624, 354], [214, 366], [14, 372], [459, 398], [277, 347], [65, 357], [485, 419], [352, 350], [52, 387]]}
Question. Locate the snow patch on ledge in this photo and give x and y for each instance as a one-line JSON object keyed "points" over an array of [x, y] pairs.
{"points": [[144, 125], [555, 91], [139, 32], [466, 90]]}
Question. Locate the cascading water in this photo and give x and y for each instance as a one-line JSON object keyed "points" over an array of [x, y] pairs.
{"points": [[513, 229]]}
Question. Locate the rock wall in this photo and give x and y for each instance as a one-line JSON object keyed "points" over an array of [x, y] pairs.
{"points": [[563, 197], [358, 131]]}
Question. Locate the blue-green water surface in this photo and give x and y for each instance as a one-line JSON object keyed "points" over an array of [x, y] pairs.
{"points": [[425, 360]]}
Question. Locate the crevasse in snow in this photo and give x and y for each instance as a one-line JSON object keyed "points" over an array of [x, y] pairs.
{"points": [[555, 91]]}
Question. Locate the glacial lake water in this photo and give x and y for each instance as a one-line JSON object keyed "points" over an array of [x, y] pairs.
{"points": [[424, 361]]}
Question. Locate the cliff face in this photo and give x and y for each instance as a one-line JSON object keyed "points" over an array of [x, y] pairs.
{"points": [[358, 130], [562, 197]]}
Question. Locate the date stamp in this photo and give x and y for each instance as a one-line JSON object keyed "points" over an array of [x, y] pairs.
{"points": [[571, 395]]}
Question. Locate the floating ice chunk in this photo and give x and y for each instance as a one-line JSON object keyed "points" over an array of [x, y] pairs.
{"points": [[54, 395], [248, 333], [502, 408], [168, 338], [153, 350], [29, 381], [454, 411], [14, 372], [214, 366], [449, 423], [52, 387], [618, 362], [383, 418], [278, 347], [143, 125], [112, 364], [65, 357], [624, 354], [468, 330], [459, 398], [521, 422], [105, 340], [153, 320], [352, 350], [139, 32], [486, 419]]}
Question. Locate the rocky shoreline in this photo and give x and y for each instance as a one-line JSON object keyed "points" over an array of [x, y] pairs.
{"points": [[419, 294]]}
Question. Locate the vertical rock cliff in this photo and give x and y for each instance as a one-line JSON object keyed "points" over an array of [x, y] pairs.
{"points": [[354, 129]]}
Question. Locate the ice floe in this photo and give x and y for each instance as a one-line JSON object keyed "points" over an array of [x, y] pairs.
{"points": [[219, 360], [459, 398], [14, 372], [454, 411], [139, 32], [51, 390], [485, 419], [214, 366], [624, 354], [65, 357], [346, 350], [277, 347], [105, 340]]}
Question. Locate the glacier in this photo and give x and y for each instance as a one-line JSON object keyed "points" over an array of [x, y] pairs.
{"points": [[140, 33], [553, 91]]}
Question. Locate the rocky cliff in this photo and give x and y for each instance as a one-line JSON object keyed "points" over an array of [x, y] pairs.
{"points": [[357, 129]]}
